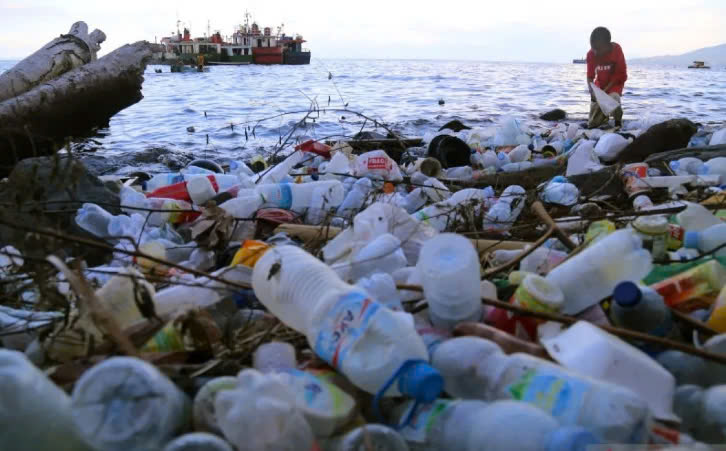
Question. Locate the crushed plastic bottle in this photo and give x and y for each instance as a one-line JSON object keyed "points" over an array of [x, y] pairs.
{"points": [[501, 215], [707, 240], [560, 191], [703, 412]]}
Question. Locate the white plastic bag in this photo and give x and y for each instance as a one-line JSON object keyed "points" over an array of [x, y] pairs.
{"points": [[607, 103], [378, 165], [718, 138], [583, 159], [609, 146]]}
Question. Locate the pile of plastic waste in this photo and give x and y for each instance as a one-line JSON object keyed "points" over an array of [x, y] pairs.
{"points": [[342, 300]]}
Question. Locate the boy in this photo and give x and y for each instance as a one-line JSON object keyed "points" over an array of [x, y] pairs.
{"points": [[606, 67]]}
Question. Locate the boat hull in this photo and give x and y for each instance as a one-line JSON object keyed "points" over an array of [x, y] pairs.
{"points": [[267, 55], [296, 58]]}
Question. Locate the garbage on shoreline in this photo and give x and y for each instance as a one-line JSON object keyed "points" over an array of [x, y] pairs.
{"points": [[502, 288]]}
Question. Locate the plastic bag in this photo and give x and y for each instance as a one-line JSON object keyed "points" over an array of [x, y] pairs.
{"points": [[610, 145], [509, 133], [607, 103], [718, 138], [583, 160], [378, 165]]}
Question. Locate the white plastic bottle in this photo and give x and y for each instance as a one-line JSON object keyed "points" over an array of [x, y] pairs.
{"points": [[35, 414], [278, 173], [446, 213], [696, 217], [126, 403], [200, 190], [703, 412], [500, 426], [338, 167], [612, 412], [355, 198], [559, 191], [161, 180], [459, 173], [450, 272], [384, 254], [715, 166], [591, 276], [382, 287], [261, 415], [502, 215], [456, 359], [94, 220], [687, 166], [708, 239], [415, 200], [519, 154], [198, 441], [370, 344], [203, 413], [298, 196]]}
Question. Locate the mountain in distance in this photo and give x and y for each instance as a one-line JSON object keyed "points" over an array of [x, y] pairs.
{"points": [[713, 56]]}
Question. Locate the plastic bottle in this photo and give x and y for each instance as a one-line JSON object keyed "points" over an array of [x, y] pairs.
{"points": [[355, 198], [696, 217], [369, 436], [499, 426], [542, 261], [519, 154], [298, 197], [377, 164], [371, 345], [505, 212], [693, 289], [642, 202], [203, 413], [516, 167], [613, 413], [715, 166], [703, 412], [591, 276], [339, 167], [489, 159], [382, 287], [280, 171], [325, 406], [719, 137], [261, 415], [199, 441], [161, 180], [559, 191], [717, 319], [654, 231], [502, 160], [686, 166], [119, 296], [459, 173], [445, 214], [94, 220], [707, 240], [34, 414], [642, 309], [415, 200], [456, 359], [126, 403], [449, 267], [384, 254]]}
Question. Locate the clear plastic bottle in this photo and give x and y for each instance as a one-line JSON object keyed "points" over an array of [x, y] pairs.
{"points": [[644, 310], [35, 414], [369, 436], [382, 287], [279, 172], [94, 220], [696, 217], [500, 426], [384, 254], [446, 213], [519, 154], [204, 417], [450, 272], [126, 403], [298, 197], [612, 412], [198, 441], [591, 276], [355, 198], [261, 415], [707, 240], [505, 212], [370, 344]]}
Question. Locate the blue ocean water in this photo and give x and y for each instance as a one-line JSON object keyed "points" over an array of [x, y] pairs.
{"points": [[404, 94]]}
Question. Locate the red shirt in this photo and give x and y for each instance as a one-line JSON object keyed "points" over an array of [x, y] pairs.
{"points": [[607, 68]]}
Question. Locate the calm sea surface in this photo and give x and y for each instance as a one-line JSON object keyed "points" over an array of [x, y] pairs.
{"points": [[271, 100]]}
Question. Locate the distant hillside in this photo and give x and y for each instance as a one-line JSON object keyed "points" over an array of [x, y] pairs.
{"points": [[714, 56]]}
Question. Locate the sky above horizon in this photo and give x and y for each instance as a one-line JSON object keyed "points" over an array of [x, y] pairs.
{"points": [[513, 30]]}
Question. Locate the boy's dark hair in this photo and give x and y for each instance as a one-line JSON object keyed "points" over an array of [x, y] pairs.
{"points": [[600, 34]]}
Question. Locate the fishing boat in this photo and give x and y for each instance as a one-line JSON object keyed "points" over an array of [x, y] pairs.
{"points": [[249, 44], [699, 65], [579, 61]]}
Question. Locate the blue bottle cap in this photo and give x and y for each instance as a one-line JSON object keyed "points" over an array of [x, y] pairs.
{"points": [[421, 382], [573, 438], [627, 294], [690, 239]]}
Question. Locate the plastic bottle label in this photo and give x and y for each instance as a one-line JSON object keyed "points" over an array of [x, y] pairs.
{"points": [[423, 419], [344, 324], [560, 396], [282, 198]]}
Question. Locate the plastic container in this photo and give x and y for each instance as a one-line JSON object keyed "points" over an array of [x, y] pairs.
{"points": [[519, 154], [631, 176], [382, 287], [381, 255], [591, 276], [378, 165], [686, 166], [354, 200], [613, 413], [449, 268], [199, 441], [279, 172], [654, 231], [696, 217], [703, 412], [35, 414], [261, 415], [161, 180], [369, 436], [505, 212], [273, 357], [642, 202], [707, 240], [715, 166], [94, 220], [717, 319], [119, 294], [126, 403], [200, 190], [373, 346], [445, 214], [456, 359], [299, 197], [592, 352], [694, 289], [719, 137], [203, 412], [499, 426], [644, 310], [559, 191], [609, 146]]}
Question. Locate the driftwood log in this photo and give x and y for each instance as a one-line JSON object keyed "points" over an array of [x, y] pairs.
{"points": [[40, 121], [57, 57]]}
